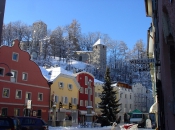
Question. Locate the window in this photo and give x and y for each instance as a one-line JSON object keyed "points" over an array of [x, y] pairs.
{"points": [[86, 80], [120, 95], [125, 96], [74, 101], [14, 77], [28, 96], [130, 105], [81, 102], [4, 111], [15, 56], [130, 96], [121, 106], [40, 96], [6, 93], [86, 90], [81, 90], [1, 71], [60, 85], [65, 100], [86, 102], [70, 86], [56, 99], [16, 112], [18, 94], [24, 76]]}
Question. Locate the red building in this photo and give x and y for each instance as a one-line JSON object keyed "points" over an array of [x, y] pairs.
{"points": [[26, 86], [84, 78]]}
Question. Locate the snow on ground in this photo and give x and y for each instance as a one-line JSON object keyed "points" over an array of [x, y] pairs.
{"points": [[96, 128]]}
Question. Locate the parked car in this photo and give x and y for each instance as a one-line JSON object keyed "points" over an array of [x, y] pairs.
{"points": [[9, 123], [32, 123]]}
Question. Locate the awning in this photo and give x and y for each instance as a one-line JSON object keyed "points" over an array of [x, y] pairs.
{"points": [[153, 108], [85, 112]]}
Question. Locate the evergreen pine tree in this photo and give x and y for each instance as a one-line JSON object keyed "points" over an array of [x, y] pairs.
{"points": [[109, 104]]}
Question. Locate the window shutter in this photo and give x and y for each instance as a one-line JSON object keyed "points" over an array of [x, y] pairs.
{"points": [[76, 101], [72, 100]]}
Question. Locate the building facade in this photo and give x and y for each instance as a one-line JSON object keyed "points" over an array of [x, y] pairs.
{"points": [[26, 92], [96, 57], [163, 29], [64, 91], [86, 81]]}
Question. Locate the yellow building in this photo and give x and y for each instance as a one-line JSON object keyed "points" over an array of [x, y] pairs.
{"points": [[64, 90], [98, 90]]}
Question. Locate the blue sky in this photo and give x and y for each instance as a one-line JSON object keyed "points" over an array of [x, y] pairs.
{"points": [[123, 20]]}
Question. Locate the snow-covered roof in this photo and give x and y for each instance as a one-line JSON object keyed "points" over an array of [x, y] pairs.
{"points": [[99, 41], [54, 72], [83, 51]]}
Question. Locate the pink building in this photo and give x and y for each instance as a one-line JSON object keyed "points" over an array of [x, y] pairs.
{"points": [[27, 92]]}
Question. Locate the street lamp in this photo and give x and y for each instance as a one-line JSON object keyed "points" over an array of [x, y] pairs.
{"points": [[8, 73], [54, 114]]}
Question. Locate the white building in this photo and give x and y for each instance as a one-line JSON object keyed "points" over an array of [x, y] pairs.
{"points": [[133, 97], [143, 97]]}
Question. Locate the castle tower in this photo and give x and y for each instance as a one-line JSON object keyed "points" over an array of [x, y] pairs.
{"points": [[99, 55], [39, 30]]}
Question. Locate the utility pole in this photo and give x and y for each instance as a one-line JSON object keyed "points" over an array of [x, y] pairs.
{"points": [[2, 8]]}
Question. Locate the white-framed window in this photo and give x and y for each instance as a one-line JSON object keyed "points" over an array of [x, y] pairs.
{"points": [[130, 96], [2, 71], [70, 87], [86, 80], [86, 102], [56, 99], [14, 77], [81, 102], [130, 105], [40, 96], [16, 111], [60, 84], [15, 56], [74, 101], [18, 94], [28, 96], [6, 93], [81, 90], [125, 95], [24, 76], [65, 100], [120, 95], [86, 90]]}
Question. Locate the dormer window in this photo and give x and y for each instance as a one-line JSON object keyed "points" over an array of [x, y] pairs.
{"points": [[15, 56]]}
